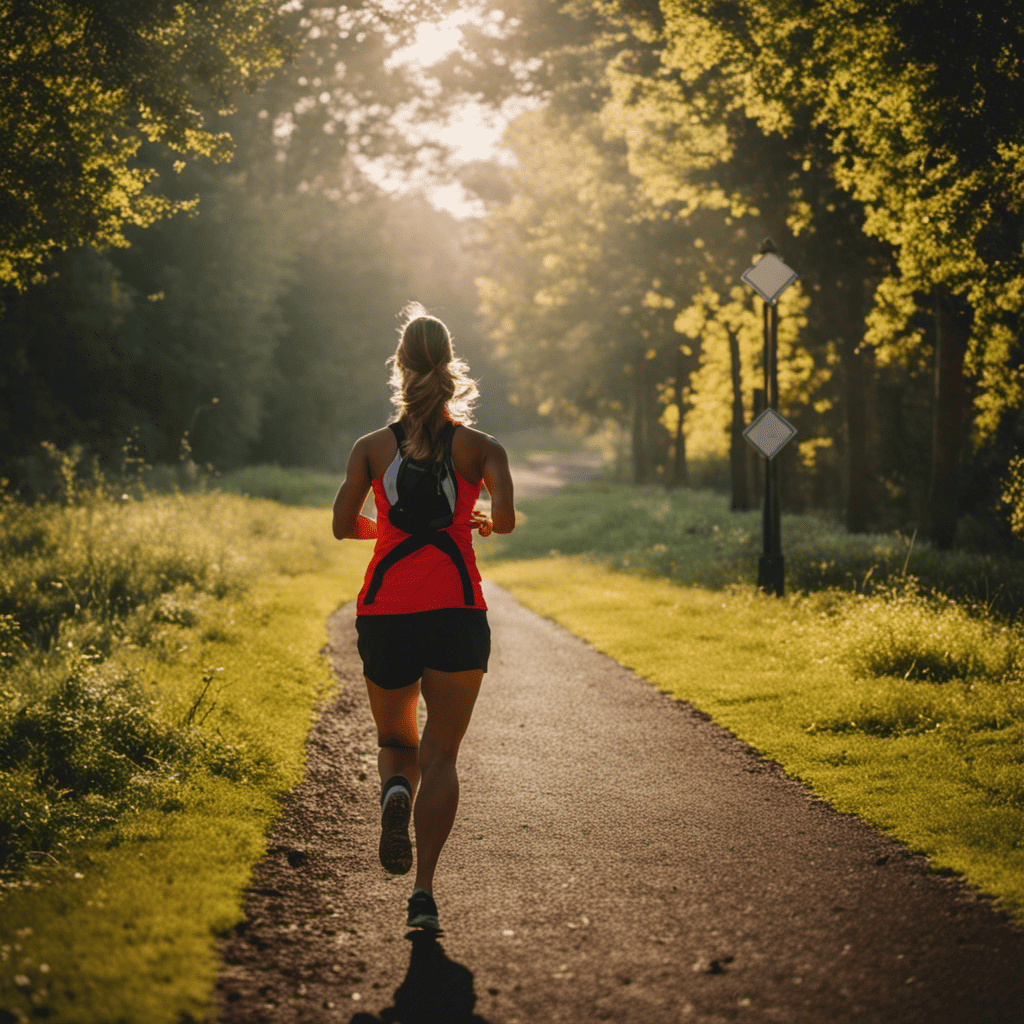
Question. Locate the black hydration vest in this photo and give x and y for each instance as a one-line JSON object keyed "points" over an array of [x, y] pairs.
{"points": [[423, 496]]}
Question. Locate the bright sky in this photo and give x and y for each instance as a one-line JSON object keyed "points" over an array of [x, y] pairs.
{"points": [[434, 40], [473, 132]]}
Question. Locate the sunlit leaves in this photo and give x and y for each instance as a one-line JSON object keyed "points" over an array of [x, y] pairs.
{"points": [[922, 106], [84, 84]]}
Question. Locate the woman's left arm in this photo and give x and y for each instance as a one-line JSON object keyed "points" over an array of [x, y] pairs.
{"points": [[349, 524]]}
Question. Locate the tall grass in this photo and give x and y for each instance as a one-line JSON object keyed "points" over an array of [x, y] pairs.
{"points": [[923, 663], [691, 537], [96, 582], [902, 632]]}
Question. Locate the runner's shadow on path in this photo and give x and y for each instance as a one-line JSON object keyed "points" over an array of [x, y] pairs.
{"points": [[436, 990]]}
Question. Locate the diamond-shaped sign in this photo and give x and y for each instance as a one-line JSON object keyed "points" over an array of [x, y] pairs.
{"points": [[770, 277], [769, 433]]}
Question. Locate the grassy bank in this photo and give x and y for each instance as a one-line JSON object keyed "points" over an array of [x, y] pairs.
{"points": [[897, 695], [691, 537], [148, 644]]}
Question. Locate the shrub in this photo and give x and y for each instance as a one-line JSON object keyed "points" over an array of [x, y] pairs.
{"points": [[95, 747], [901, 632]]}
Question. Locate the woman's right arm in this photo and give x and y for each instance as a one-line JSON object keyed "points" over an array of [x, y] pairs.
{"points": [[498, 481], [349, 523]]}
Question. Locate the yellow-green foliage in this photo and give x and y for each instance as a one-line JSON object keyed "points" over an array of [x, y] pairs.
{"points": [[1013, 494], [80, 95], [807, 681], [872, 112]]}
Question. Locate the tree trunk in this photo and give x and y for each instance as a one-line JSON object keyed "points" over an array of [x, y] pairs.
{"points": [[680, 476], [641, 424], [846, 300], [855, 408], [737, 445], [951, 334]]}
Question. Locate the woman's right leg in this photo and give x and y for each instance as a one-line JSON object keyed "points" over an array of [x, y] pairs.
{"points": [[449, 697]]}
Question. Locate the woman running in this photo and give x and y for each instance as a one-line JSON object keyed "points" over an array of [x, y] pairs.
{"points": [[420, 616]]}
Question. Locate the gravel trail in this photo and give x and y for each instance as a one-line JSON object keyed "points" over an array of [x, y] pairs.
{"points": [[617, 857]]}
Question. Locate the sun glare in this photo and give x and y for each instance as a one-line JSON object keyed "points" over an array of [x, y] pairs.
{"points": [[472, 130], [434, 41]]}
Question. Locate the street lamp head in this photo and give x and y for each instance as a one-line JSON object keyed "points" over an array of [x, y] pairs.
{"points": [[768, 246]]}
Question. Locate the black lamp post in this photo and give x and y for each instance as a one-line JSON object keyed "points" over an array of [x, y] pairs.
{"points": [[769, 432]]}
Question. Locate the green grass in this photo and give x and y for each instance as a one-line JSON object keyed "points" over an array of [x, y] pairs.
{"points": [[102, 599], [691, 537], [288, 486], [194, 620], [139, 767], [892, 699], [127, 921]]}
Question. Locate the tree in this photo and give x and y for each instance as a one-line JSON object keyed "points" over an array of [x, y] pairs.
{"points": [[696, 153], [84, 84], [68, 348], [582, 289], [692, 142], [258, 324], [921, 106]]}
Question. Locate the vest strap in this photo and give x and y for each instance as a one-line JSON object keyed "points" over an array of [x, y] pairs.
{"points": [[438, 539]]}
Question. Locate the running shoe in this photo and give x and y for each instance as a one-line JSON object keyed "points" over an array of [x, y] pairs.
{"points": [[423, 911], [396, 807]]}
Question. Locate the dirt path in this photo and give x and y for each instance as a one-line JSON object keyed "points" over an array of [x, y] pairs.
{"points": [[616, 857]]}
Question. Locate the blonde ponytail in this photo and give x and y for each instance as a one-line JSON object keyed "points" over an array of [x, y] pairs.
{"points": [[429, 383]]}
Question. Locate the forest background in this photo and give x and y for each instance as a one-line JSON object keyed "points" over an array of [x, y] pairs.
{"points": [[198, 250]]}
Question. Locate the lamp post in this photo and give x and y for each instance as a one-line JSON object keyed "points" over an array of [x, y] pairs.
{"points": [[770, 431]]}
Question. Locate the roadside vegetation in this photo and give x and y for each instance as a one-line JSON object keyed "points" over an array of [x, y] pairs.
{"points": [[138, 775], [691, 537], [310, 487], [890, 678], [139, 779]]}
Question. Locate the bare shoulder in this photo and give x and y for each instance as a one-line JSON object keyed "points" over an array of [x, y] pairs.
{"points": [[477, 440], [472, 451], [376, 436], [368, 444], [378, 449]]}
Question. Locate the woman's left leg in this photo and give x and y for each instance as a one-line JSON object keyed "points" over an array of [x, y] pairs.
{"points": [[394, 712], [450, 698]]}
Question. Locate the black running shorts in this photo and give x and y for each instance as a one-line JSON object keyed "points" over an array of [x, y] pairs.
{"points": [[397, 648]]}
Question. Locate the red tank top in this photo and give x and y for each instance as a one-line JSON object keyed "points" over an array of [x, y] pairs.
{"points": [[428, 578]]}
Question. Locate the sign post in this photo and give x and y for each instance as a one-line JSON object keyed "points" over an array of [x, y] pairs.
{"points": [[770, 431]]}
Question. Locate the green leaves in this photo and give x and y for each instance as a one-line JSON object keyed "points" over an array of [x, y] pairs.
{"points": [[922, 110], [84, 84]]}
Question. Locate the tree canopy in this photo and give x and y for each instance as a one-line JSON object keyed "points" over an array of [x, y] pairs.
{"points": [[257, 326], [87, 85], [877, 142]]}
